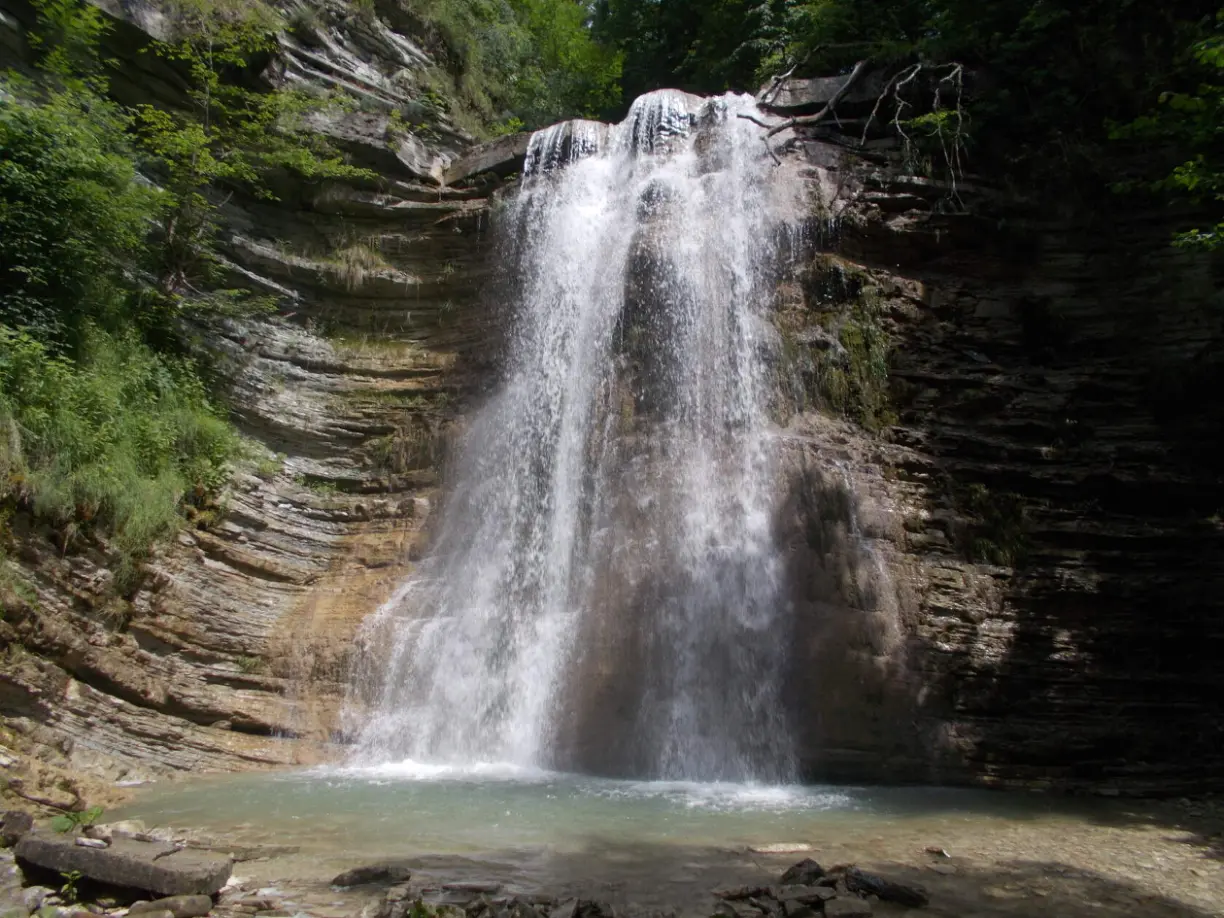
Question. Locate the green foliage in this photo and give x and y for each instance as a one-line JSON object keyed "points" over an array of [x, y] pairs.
{"points": [[68, 38], [1051, 74], [114, 441], [321, 486], [528, 62], [232, 136], [846, 371], [1193, 118], [68, 891], [80, 819], [997, 527], [73, 218]]}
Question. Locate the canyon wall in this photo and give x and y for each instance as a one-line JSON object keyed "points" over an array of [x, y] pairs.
{"points": [[233, 652], [1042, 492], [1001, 508]]}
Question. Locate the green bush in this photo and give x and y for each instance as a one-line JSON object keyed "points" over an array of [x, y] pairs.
{"points": [[116, 440], [73, 218], [520, 62]]}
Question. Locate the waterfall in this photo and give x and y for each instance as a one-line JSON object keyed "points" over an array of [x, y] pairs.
{"points": [[604, 591]]}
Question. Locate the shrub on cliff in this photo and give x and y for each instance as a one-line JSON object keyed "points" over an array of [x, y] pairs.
{"points": [[115, 441], [521, 62], [73, 218]]}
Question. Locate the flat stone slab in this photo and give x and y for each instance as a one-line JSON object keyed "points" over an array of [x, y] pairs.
{"points": [[154, 866], [503, 156]]}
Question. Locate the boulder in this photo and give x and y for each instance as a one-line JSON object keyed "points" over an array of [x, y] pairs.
{"points": [[153, 866], [806, 895], [866, 884], [33, 897], [805, 96], [11, 878], [372, 873], [502, 156], [177, 906], [13, 825], [806, 873]]}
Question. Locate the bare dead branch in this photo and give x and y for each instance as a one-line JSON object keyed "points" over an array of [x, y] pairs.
{"points": [[830, 106], [754, 120], [17, 786], [908, 73], [775, 84], [902, 104]]}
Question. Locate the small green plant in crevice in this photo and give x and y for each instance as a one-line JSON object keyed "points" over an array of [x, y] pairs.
{"points": [[316, 485], [250, 665], [363, 11], [354, 264], [996, 528], [78, 819], [304, 24], [411, 446], [270, 466], [68, 890], [843, 368]]}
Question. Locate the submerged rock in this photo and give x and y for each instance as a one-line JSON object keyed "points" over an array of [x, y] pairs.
{"points": [[372, 873], [805, 873], [867, 884], [153, 866]]}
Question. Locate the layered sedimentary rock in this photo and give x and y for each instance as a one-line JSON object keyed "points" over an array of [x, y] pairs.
{"points": [[1013, 580], [235, 646], [1004, 563]]}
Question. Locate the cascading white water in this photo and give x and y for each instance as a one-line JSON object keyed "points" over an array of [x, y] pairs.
{"points": [[604, 590]]}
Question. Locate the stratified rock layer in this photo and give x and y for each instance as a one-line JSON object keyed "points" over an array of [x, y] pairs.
{"points": [[1014, 581], [233, 653]]}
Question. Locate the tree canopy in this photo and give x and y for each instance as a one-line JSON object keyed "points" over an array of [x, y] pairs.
{"points": [[1112, 91]]}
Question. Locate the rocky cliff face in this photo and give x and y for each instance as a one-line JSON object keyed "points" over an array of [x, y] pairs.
{"points": [[1002, 506], [232, 654], [1011, 583]]}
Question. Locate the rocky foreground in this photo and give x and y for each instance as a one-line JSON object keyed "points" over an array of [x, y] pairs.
{"points": [[1009, 869], [119, 871]]}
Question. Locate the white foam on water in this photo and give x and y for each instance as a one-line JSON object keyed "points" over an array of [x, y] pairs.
{"points": [[729, 797], [409, 770]]}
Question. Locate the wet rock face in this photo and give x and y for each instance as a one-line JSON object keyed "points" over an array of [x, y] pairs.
{"points": [[1011, 537]]}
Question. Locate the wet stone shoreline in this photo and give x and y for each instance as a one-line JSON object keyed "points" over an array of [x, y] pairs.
{"points": [[1021, 869]]}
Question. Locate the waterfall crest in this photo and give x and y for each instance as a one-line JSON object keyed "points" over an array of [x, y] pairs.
{"points": [[604, 590]]}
